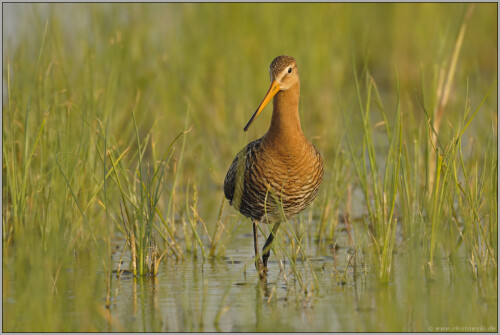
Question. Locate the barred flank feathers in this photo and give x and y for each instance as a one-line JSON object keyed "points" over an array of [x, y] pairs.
{"points": [[293, 180]]}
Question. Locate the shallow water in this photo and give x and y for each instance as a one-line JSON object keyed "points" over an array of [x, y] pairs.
{"points": [[335, 289], [226, 295]]}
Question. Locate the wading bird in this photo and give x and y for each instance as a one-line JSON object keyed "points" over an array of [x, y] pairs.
{"points": [[278, 175]]}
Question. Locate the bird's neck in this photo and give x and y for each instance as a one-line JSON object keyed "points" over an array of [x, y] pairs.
{"points": [[285, 131]]}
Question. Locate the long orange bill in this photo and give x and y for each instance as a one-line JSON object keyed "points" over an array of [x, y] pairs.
{"points": [[275, 87]]}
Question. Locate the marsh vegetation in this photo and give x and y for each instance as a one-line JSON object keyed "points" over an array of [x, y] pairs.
{"points": [[119, 124]]}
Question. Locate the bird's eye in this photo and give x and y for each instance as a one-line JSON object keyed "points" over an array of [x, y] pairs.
{"points": [[289, 70]]}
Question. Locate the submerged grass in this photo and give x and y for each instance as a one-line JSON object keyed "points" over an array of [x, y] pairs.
{"points": [[116, 131]]}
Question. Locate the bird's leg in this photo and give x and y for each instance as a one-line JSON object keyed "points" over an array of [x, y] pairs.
{"points": [[266, 251], [258, 262]]}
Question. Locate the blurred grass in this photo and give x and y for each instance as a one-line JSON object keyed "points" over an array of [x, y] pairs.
{"points": [[74, 73]]}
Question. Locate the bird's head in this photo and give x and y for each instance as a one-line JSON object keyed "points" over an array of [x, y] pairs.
{"points": [[284, 74]]}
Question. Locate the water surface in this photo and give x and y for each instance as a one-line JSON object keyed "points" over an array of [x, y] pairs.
{"points": [[226, 295]]}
